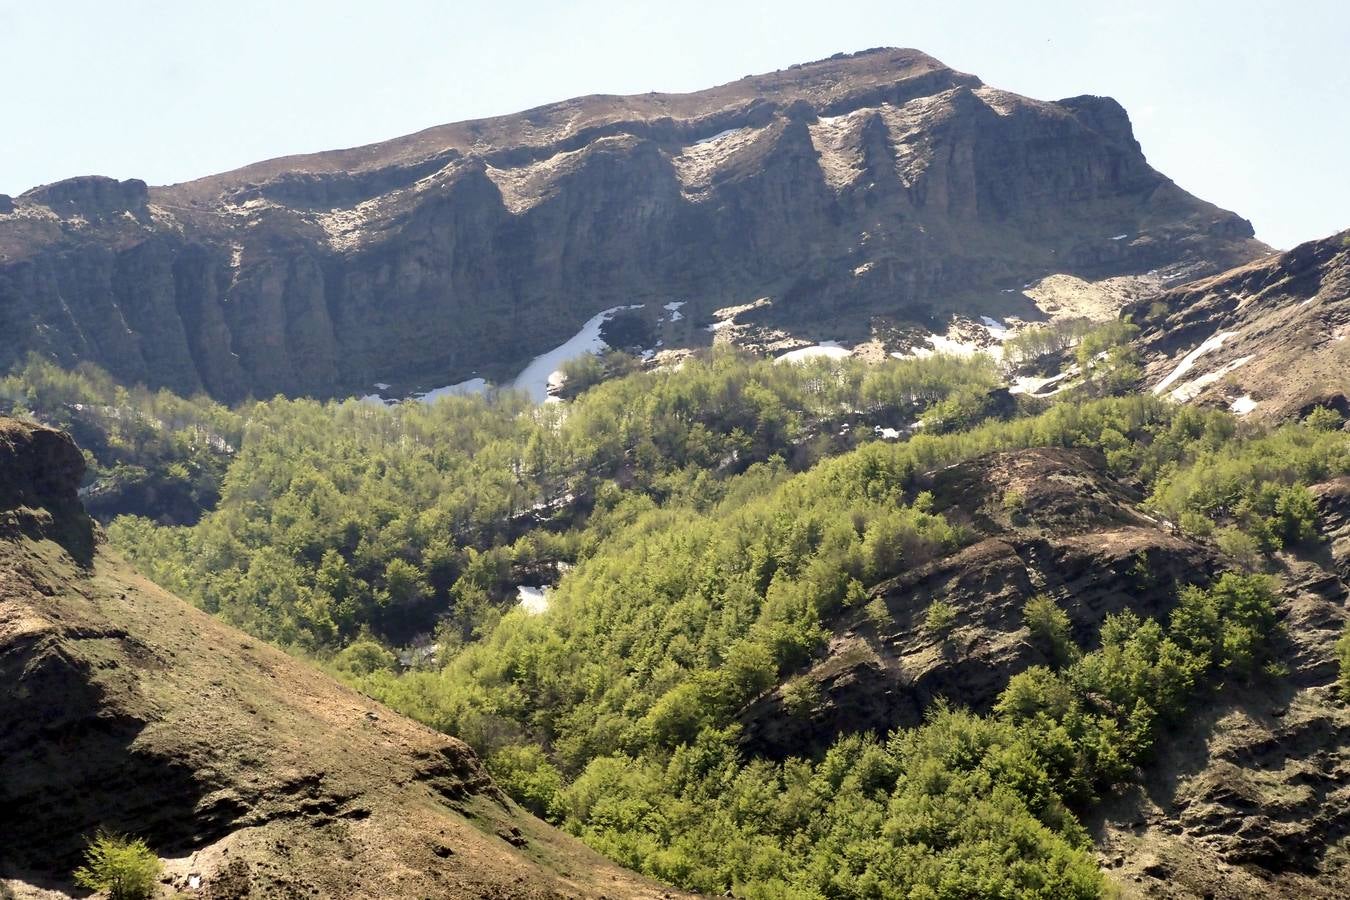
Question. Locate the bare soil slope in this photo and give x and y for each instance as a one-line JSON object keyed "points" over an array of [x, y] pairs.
{"points": [[252, 773]]}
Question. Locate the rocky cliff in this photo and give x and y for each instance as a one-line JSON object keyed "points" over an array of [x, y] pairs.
{"points": [[251, 773], [881, 183]]}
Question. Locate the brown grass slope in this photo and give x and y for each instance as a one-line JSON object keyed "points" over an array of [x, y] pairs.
{"points": [[250, 772]]}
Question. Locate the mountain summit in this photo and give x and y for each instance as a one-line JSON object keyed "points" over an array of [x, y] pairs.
{"points": [[878, 184]]}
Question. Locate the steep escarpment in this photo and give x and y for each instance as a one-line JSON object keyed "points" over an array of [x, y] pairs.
{"points": [[251, 773], [1266, 339], [882, 183]]}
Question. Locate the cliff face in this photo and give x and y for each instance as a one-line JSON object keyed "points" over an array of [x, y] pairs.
{"points": [[882, 182], [252, 774]]}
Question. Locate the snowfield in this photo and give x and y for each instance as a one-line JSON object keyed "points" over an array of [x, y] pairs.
{"points": [[828, 349], [534, 600], [545, 370]]}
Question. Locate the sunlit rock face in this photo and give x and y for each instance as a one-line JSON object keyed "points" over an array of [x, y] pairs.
{"points": [[878, 183]]}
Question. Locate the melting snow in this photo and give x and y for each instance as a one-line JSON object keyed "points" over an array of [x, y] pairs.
{"points": [[1243, 405], [1213, 343], [381, 385], [544, 370], [462, 389], [1120, 237], [534, 600], [1191, 389], [863, 269], [830, 349], [674, 310], [997, 330], [1033, 385]]}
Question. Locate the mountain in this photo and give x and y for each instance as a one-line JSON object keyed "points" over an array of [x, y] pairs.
{"points": [[1266, 339], [251, 773], [841, 196]]}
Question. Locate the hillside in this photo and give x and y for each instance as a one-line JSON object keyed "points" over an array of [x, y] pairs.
{"points": [[251, 773], [852, 196], [1266, 339]]}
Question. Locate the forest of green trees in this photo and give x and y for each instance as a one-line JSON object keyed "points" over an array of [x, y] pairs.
{"points": [[703, 527]]}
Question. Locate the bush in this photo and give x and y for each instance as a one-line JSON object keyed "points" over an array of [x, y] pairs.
{"points": [[1239, 546], [1050, 629], [1323, 418], [940, 618], [127, 869], [524, 772], [363, 657], [878, 613]]}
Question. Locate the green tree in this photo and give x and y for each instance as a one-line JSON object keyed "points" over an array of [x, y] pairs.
{"points": [[939, 619], [1050, 629], [124, 867]]}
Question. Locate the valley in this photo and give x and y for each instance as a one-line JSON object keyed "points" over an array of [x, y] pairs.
{"points": [[849, 481]]}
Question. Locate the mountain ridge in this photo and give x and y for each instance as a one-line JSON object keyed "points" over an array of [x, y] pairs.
{"points": [[881, 185]]}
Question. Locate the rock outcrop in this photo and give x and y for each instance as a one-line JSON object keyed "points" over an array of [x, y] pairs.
{"points": [[1046, 521], [1267, 339], [881, 183], [252, 774]]}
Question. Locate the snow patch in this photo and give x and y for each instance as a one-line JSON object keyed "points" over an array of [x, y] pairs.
{"points": [[1033, 385], [719, 136], [1243, 405], [674, 310], [1211, 344], [827, 349], [534, 600], [462, 389], [1119, 237], [1191, 389], [886, 434], [997, 330], [863, 269], [544, 371]]}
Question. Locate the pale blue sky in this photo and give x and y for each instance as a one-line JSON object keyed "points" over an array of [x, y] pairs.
{"points": [[1246, 104]]}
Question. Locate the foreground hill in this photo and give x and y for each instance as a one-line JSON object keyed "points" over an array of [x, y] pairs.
{"points": [[251, 773], [882, 184]]}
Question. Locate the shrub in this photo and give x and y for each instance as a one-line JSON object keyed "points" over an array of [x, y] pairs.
{"points": [[363, 657], [1050, 629], [524, 772], [1239, 546], [1323, 418], [940, 618], [878, 613], [127, 869], [801, 695]]}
